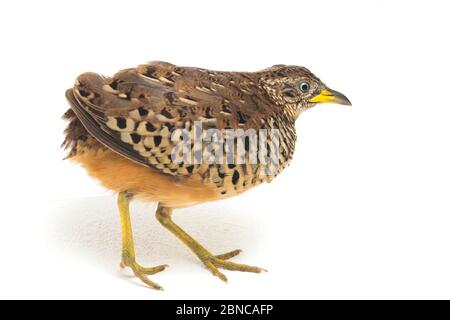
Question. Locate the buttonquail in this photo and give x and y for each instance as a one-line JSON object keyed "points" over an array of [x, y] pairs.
{"points": [[182, 136]]}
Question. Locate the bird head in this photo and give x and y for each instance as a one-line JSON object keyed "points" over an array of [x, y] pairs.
{"points": [[297, 89]]}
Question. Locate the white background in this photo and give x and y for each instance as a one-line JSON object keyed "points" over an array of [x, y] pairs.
{"points": [[362, 212]]}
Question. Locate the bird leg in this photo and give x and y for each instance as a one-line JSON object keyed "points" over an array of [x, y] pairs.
{"points": [[212, 262], [128, 253]]}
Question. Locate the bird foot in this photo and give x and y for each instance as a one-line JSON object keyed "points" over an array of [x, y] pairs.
{"points": [[220, 261], [141, 273]]}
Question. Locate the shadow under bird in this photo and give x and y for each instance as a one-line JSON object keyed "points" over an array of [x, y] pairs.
{"points": [[134, 131]]}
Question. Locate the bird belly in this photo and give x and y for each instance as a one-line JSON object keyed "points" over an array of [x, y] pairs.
{"points": [[120, 174]]}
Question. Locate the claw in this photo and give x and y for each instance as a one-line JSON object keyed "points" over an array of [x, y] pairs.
{"points": [[212, 262], [220, 261], [215, 271], [141, 273]]}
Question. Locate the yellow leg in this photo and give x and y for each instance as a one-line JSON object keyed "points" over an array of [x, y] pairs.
{"points": [[128, 253], [212, 262]]}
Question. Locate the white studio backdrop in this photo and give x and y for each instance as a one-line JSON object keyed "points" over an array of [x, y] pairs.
{"points": [[362, 212]]}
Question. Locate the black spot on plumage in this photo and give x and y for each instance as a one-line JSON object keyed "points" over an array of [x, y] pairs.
{"points": [[142, 112], [150, 72], [157, 140], [190, 169], [208, 114], [121, 123], [136, 138], [241, 117], [231, 166], [221, 175], [84, 93], [190, 98], [114, 84], [170, 76], [223, 192], [166, 113], [170, 96], [247, 143], [169, 126], [150, 127], [182, 112], [235, 177], [226, 109]]}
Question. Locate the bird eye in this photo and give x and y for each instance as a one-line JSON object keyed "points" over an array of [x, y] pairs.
{"points": [[304, 86]]}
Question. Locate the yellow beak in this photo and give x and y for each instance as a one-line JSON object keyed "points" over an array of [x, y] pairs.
{"points": [[330, 96]]}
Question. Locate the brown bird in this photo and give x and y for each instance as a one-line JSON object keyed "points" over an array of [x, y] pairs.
{"points": [[183, 136]]}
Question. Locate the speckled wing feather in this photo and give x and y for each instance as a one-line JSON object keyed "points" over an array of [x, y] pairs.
{"points": [[103, 135], [134, 112]]}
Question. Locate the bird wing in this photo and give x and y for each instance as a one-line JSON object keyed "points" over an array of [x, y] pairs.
{"points": [[135, 112]]}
